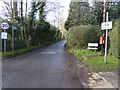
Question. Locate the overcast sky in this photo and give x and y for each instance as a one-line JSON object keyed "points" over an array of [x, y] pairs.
{"points": [[60, 13], [50, 16]]}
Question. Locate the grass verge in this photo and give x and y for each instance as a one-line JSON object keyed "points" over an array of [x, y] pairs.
{"points": [[16, 52], [95, 60]]}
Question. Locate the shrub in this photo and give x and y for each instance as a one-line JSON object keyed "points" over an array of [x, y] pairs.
{"points": [[80, 36], [114, 36], [43, 34], [19, 44], [8, 45]]}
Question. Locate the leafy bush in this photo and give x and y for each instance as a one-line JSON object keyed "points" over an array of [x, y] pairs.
{"points": [[80, 36], [19, 44], [68, 24], [8, 45], [43, 33], [114, 35]]}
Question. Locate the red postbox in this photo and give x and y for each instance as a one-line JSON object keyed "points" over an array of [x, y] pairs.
{"points": [[102, 40]]}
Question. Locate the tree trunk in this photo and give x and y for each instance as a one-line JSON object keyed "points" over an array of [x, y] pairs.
{"points": [[21, 10], [15, 12], [11, 9], [21, 21], [25, 25]]}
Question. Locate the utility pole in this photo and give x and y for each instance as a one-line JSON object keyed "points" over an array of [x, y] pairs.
{"points": [[106, 25], [104, 11]]}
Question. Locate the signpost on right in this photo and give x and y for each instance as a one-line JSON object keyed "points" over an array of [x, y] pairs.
{"points": [[106, 26]]}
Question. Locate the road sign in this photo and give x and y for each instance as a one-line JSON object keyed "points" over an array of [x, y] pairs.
{"points": [[14, 28], [4, 25], [3, 35], [106, 25]]}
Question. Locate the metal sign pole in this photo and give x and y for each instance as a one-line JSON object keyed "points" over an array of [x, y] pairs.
{"points": [[4, 26], [12, 39], [4, 44], [13, 28], [106, 41]]}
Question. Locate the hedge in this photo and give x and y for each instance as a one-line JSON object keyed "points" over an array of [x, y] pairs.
{"points": [[114, 36], [80, 36]]}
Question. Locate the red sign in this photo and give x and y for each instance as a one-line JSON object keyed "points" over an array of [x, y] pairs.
{"points": [[4, 25], [102, 40]]}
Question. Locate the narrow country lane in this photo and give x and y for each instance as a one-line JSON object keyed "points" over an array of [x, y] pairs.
{"points": [[43, 68]]}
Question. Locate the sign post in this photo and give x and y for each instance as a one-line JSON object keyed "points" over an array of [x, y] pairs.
{"points": [[4, 45], [105, 26], [13, 28], [4, 26], [106, 41]]}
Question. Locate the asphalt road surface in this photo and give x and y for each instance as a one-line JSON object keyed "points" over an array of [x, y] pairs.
{"points": [[42, 68]]}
